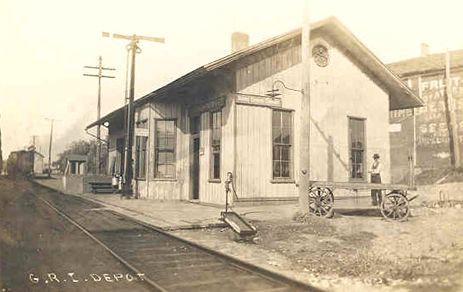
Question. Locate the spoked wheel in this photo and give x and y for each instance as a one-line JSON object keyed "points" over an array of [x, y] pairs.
{"points": [[321, 201], [395, 206]]}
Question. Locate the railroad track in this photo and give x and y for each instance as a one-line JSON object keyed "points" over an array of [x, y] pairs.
{"points": [[168, 262]]}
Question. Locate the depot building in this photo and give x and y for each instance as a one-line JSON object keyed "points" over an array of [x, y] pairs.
{"points": [[220, 118]]}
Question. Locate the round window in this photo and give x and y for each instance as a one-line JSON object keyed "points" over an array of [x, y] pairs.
{"points": [[320, 55]]}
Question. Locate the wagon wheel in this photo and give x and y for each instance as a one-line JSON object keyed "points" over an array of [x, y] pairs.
{"points": [[395, 206], [321, 201]]}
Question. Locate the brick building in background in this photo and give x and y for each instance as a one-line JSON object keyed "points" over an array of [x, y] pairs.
{"points": [[425, 75]]}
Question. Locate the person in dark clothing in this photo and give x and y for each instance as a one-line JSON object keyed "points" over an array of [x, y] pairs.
{"points": [[375, 175]]}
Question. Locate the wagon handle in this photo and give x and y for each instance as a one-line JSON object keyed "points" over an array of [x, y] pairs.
{"points": [[412, 198]]}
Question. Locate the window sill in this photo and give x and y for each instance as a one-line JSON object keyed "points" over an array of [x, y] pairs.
{"points": [[282, 181], [214, 180], [165, 179]]}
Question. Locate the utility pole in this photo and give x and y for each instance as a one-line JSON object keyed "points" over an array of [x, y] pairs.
{"points": [[449, 104], [49, 146], [304, 144], [100, 75], [133, 48], [33, 143]]}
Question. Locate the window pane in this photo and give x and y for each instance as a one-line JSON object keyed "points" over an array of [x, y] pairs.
{"points": [[169, 157], [285, 153], [170, 128], [286, 119], [169, 170], [360, 157], [217, 165], [162, 158], [216, 136], [285, 139], [161, 142], [160, 126], [276, 135], [170, 142], [276, 169], [276, 119], [284, 169], [276, 153], [161, 170]]}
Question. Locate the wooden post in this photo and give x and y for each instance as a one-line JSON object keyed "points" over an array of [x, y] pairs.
{"points": [[304, 127], [49, 148], [98, 116], [133, 49], [100, 75], [130, 127]]}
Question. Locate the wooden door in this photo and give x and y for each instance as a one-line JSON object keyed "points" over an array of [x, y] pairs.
{"points": [[195, 173]]}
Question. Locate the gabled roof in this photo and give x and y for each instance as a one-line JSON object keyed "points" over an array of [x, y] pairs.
{"points": [[401, 96], [427, 64]]}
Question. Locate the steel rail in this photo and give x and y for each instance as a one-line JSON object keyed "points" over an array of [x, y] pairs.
{"points": [[119, 258], [233, 261]]}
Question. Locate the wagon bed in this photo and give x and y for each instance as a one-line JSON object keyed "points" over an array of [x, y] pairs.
{"points": [[361, 185], [394, 205]]}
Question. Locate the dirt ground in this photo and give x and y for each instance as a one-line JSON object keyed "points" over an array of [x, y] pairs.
{"points": [[359, 251]]}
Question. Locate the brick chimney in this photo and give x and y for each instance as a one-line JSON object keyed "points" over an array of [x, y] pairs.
{"points": [[239, 41], [424, 49]]}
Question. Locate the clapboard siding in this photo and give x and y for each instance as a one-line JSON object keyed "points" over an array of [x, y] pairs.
{"points": [[167, 189], [209, 191], [338, 91], [180, 187], [254, 155]]}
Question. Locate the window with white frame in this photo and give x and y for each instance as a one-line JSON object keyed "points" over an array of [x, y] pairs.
{"points": [[165, 145], [216, 137], [282, 131], [357, 148]]}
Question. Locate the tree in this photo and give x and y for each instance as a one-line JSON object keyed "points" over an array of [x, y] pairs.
{"points": [[84, 147]]}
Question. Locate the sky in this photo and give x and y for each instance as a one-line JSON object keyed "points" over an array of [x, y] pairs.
{"points": [[46, 43]]}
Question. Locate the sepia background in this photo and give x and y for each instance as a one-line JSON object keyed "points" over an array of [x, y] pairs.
{"points": [[45, 45]]}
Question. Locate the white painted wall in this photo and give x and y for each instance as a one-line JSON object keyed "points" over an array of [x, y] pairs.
{"points": [[337, 91]]}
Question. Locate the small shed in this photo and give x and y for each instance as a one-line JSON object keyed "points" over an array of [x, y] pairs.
{"points": [[38, 163], [74, 173], [75, 164]]}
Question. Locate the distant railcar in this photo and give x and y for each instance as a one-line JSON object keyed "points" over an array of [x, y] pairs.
{"points": [[22, 163]]}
